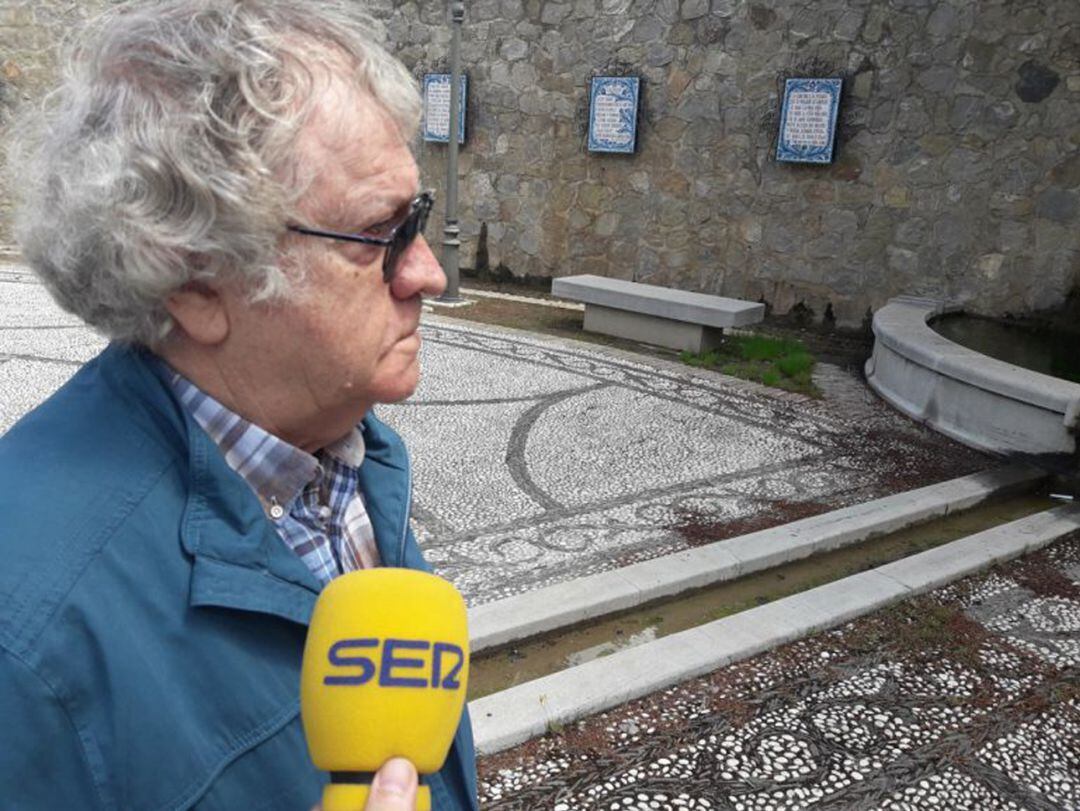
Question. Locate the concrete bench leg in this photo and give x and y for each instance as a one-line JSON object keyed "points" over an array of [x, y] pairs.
{"points": [[651, 329]]}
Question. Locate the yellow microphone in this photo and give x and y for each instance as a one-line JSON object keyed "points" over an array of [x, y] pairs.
{"points": [[386, 665]]}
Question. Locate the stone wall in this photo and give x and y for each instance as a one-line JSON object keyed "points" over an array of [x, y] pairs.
{"points": [[957, 170], [958, 152]]}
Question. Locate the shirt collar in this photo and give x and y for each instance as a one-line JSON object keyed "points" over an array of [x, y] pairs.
{"points": [[276, 470], [349, 450]]}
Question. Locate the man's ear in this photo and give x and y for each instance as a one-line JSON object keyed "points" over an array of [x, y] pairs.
{"points": [[199, 311]]}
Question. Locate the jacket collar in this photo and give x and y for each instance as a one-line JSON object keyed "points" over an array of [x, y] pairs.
{"points": [[386, 482], [239, 560]]}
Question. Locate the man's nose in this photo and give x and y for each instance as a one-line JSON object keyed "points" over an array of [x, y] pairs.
{"points": [[418, 273]]}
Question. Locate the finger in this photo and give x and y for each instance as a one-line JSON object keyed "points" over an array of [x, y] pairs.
{"points": [[394, 787]]}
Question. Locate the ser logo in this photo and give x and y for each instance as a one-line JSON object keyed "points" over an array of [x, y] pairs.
{"points": [[393, 667]]}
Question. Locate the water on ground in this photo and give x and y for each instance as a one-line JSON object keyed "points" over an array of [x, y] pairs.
{"points": [[505, 667], [1043, 350]]}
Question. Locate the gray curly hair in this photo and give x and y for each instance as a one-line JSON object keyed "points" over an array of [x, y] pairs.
{"points": [[166, 154]]}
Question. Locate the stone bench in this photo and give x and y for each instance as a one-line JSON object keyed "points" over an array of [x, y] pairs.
{"points": [[656, 315]]}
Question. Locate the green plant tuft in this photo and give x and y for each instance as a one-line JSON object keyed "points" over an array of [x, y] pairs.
{"points": [[795, 364], [779, 362]]}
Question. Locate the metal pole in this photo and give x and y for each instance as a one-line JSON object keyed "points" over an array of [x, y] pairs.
{"points": [[451, 232]]}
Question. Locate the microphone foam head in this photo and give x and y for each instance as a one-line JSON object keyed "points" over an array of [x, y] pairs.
{"points": [[386, 667]]}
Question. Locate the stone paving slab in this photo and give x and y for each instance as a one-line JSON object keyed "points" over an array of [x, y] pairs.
{"points": [[540, 460], [965, 698]]}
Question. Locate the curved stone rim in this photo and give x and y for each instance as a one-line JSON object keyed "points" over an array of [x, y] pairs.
{"points": [[903, 336]]}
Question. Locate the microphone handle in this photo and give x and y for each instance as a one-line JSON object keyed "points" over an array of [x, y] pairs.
{"points": [[348, 791]]}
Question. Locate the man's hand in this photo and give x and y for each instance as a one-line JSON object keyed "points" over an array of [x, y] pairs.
{"points": [[394, 788]]}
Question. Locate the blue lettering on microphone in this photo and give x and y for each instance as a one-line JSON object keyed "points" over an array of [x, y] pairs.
{"points": [[389, 662], [392, 667], [367, 667], [451, 682]]}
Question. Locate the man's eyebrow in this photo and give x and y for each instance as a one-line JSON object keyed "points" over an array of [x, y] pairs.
{"points": [[370, 209], [346, 215]]}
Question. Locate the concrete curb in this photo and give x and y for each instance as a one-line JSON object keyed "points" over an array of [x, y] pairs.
{"points": [[513, 716], [574, 601], [542, 302]]}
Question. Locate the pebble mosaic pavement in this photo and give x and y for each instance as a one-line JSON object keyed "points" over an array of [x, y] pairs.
{"points": [[603, 458], [539, 460], [966, 699]]}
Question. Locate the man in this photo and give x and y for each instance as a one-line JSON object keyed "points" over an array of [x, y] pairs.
{"points": [[225, 189]]}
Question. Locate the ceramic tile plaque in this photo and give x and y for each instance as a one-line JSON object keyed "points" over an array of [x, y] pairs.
{"points": [[613, 105], [808, 120], [437, 107]]}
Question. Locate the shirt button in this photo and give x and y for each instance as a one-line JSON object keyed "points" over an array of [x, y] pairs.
{"points": [[277, 512], [324, 512]]}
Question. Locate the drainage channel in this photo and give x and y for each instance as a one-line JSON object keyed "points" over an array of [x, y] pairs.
{"points": [[500, 668]]}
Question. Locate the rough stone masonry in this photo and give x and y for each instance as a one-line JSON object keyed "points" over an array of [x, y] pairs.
{"points": [[957, 172]]}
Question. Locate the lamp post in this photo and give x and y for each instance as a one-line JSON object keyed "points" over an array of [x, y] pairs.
{"points": [[451, 231]]}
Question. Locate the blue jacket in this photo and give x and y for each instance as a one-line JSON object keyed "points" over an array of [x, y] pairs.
{"points": [[151, 619]]}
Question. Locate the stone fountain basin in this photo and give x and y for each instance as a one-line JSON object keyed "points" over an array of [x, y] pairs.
{"points": [[978, 400]]}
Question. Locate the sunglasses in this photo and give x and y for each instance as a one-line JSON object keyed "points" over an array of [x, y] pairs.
{"points": [[396, 237]]}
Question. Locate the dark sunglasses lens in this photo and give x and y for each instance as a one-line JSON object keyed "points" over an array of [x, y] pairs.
{"points": [[408, 231], [389, 266], [403, 238], [422, 211]]}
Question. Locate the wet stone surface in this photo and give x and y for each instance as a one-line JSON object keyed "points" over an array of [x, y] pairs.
{"points": [[967, 698]]}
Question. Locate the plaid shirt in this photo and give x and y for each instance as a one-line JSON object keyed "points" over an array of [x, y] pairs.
{"points": [[312, 500]]}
